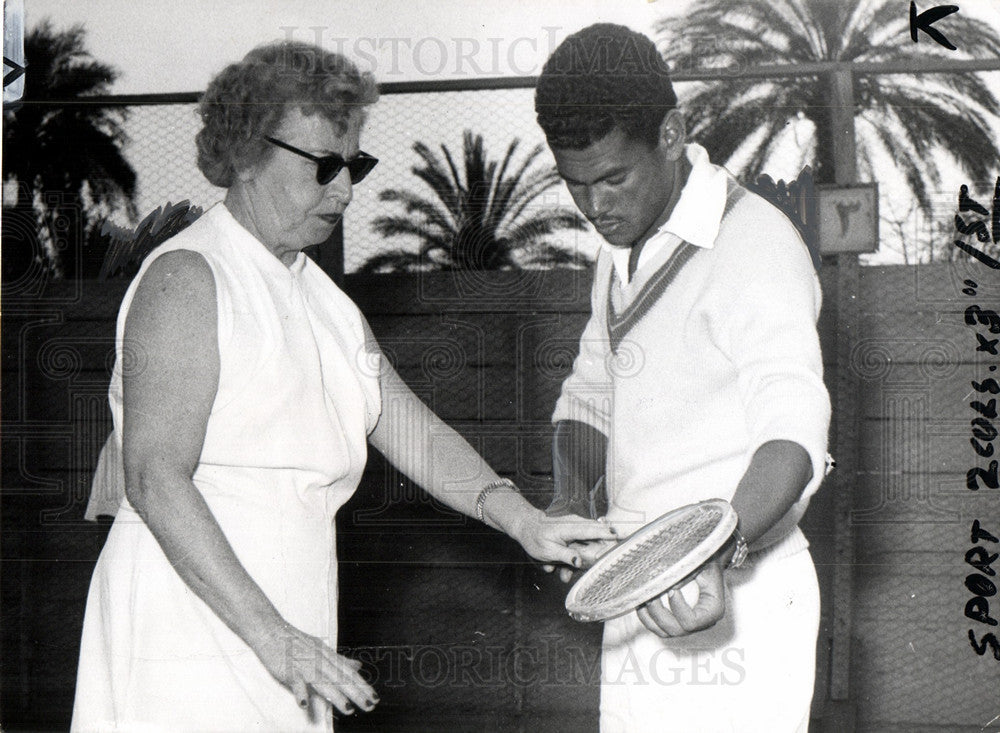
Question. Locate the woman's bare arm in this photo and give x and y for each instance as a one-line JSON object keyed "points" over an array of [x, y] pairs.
{"points": [[437, 458]]}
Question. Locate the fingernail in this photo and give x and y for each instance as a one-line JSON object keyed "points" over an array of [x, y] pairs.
{"points": [[349, 709], [376, 698], [303, 703], [576, 562]]}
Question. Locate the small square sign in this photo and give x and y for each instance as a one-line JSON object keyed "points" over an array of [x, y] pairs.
{"points": [[848, 218]]}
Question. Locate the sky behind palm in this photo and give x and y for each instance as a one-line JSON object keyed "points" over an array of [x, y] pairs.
{"points": [[180, 45]]}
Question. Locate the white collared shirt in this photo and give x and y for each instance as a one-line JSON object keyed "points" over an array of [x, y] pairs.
{"points": [[696, 216]]}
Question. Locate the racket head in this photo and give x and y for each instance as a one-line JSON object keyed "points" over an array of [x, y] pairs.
{"points": [[651, 560]]}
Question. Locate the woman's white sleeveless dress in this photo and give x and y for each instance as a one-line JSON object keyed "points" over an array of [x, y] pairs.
{"points": [[285, 448]]}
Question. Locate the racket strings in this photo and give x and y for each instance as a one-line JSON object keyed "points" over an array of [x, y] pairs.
{"points": [[650, 558]]}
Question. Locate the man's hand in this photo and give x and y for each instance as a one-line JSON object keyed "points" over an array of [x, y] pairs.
{"points": [[670, 615]]}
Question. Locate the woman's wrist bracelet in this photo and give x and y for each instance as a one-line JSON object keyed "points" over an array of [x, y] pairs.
{"points": [[503, 483]]}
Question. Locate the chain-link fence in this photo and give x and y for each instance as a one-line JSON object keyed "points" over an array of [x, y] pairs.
{"points": [[161, 148], [399, 121], [162, 151]]}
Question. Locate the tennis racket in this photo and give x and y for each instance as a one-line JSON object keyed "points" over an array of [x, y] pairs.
{"points": [[652, 560]]}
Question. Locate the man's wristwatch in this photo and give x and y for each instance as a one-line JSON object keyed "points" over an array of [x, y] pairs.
{"points": [[740, 553]]}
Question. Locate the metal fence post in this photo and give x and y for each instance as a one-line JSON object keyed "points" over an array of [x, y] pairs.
{"points": [[845, 432]]}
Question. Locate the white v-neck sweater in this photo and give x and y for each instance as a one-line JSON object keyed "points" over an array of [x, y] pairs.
{"points": [[726, 359]]}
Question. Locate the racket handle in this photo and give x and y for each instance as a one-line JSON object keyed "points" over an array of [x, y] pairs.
{"points": [[579, 462]]}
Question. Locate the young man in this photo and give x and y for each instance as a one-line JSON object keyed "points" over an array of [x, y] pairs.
{"points": [[700, 368]]}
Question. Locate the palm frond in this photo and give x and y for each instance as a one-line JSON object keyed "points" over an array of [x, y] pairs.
{"points": [[495, 194], [128, 247], [514, 180], [436, 176], [908, 161], [947, 124], [390, 226], [543, 224], [765, 148], [414, 204], [72, 149], [724, 135], [911, 117], [545, 254], [397, 260], [861, 40], [768, 20], [522, 198], [731, 44], [478, 224], [456, 179]]}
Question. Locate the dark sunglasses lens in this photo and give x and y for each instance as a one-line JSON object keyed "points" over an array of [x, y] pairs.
{"points": [[328, 168], [361, 167]]}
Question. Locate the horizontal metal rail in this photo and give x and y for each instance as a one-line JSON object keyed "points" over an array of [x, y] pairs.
{"points": [[489, 83]]}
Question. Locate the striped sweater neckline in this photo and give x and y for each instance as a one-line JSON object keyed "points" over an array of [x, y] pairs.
{"points": [[619, 324]]}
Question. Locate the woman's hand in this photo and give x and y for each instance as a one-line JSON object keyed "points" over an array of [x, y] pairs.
{"points": [[307, 667], [588, 552], [671, 615], [569, 540]]}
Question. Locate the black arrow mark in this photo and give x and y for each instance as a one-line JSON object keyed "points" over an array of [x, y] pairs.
{"points": [[926, 19], [14, 74]]}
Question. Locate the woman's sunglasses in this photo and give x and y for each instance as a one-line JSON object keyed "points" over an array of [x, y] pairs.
{"points": [[329, 167]]}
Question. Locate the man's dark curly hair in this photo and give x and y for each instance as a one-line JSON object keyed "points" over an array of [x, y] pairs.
{"points": [[601, 77], [249, 99]]}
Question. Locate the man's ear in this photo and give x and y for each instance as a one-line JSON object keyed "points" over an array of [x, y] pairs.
{"points": [[672, 138]]}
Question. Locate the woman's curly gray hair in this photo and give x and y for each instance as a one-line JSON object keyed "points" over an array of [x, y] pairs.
{"points": [[249, 99]]}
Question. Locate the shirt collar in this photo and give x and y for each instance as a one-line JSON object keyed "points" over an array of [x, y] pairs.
{"points": [[254, 248], [697, 214]]}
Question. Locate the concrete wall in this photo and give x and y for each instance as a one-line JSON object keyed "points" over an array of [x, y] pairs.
{"points": [[915, 359]]}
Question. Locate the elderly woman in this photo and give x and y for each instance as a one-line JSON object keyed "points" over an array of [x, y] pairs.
{"points": [[245, 387]]}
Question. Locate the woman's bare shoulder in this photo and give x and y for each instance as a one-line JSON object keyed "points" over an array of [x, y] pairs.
{"points": [[176, 293], [181, 268]]}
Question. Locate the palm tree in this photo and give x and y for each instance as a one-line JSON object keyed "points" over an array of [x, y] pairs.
{"points": [[904, 116], [489, 221], [125, 248], [63, 160]]}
